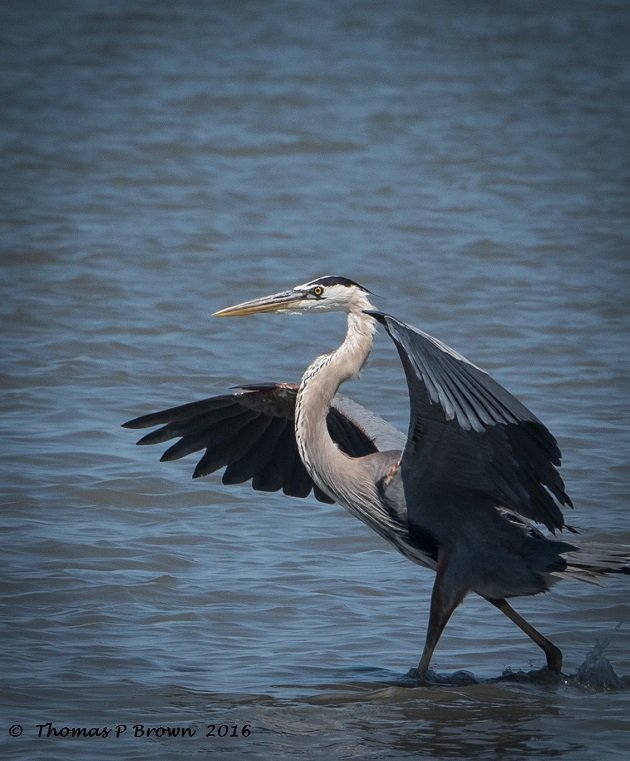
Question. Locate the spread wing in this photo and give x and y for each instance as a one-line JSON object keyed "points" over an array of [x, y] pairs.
{"points": [[467, 432], [251, 433]]}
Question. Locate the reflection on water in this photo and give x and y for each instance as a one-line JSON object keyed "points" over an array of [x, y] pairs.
{"points": [[463, 162]]}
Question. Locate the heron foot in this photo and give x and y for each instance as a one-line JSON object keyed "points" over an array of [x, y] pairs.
{"points": [[543, 675], [429, 677]]}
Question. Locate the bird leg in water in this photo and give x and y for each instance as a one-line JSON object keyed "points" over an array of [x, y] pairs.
{"points": [[552, 653], [445, 597]]}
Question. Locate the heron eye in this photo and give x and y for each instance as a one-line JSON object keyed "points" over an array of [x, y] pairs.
{"points": [[318, 291]]}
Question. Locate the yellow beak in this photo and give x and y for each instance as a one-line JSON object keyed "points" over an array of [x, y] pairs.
{"points": [[278, 302]]}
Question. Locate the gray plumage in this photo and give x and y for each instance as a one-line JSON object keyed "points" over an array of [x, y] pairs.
{"points": [[460, 494]]}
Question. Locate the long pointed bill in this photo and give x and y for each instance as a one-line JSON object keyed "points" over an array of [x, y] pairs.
{"points": [[278, 302]]}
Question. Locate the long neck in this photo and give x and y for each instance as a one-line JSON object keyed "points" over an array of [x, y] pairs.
{"points": [[321, 456]]}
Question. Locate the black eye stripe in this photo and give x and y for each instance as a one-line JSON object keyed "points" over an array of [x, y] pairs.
{"points": [[329, 280]]}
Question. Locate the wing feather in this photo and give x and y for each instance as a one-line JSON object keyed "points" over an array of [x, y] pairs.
{"points": [[250, 433], [467, 431]]}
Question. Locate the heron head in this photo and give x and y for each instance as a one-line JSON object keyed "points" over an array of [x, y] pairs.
{"points": [[324, 294]]}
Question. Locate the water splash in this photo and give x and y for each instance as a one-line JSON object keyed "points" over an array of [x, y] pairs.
{"points": [[597, 671]]}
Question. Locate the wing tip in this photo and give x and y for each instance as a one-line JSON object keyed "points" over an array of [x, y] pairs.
{"points": [[136, 422]]}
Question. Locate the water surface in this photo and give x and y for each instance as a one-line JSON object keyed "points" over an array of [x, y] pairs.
{"points": [[468, 165]]}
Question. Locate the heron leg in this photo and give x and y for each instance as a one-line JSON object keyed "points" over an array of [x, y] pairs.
{"points": [[445, 597], [552, 653]]}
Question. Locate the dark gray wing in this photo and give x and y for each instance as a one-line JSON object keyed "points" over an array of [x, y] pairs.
{"points": [[468, 432], [251, 433]]}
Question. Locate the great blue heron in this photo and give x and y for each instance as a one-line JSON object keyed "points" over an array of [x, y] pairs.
{"points": [[459, 494]]}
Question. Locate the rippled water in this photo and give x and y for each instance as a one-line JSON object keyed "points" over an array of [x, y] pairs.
{"points": [[468, 163]]}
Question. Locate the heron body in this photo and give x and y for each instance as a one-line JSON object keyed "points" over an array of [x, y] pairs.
{"points": [[460, 494]]}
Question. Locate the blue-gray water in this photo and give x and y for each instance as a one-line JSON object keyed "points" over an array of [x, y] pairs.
{"points": [[468, 162]]}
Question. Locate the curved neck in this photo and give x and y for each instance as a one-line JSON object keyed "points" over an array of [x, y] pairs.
{"points": [[321, 456]]}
